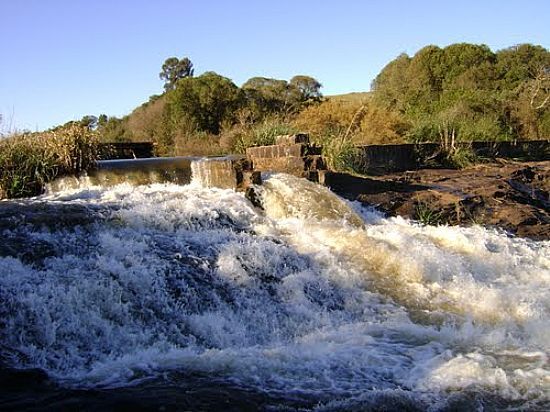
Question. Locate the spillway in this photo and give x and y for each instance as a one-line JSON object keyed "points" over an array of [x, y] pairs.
{"points": [[117, 292]]}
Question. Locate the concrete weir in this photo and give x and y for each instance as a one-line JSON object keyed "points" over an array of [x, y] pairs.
{"points": [[227, 172], [291, 154], [143, 171]]}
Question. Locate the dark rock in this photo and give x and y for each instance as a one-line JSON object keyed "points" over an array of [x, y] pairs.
{"points": [[11, 378], [513, 196]]}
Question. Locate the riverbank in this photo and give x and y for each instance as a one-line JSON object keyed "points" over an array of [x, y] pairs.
{"points": [[510, 195]]}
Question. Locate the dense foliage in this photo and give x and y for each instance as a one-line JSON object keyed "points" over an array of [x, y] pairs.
{"points": [[462, 92], [467, 92], [29, 161]]}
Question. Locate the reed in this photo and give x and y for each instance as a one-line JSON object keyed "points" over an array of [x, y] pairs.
{"points": [[29, 161]]}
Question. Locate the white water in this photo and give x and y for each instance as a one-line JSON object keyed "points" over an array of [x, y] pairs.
{"points": [[313, 296]]}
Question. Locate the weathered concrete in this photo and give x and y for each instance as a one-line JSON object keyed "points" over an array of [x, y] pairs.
{"points": [[351, 186], [292, 154], [297, 166], [383, 159], [232, 172], [224, 172], [143, 171], [296, 150], [291, 164], [532, 149], [289, 139], [215, 173], [315, 163]]}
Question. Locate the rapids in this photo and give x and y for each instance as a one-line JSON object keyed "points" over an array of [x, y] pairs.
{"points": [[312, 298]]}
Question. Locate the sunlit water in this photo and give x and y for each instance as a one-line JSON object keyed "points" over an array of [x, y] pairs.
{"points": [[313, 298]]}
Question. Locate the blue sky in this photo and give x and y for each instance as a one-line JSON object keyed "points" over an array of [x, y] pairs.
{"points": [[63, 59]]}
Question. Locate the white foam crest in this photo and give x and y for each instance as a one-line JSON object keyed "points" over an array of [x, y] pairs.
{"points": [[471, 272]]}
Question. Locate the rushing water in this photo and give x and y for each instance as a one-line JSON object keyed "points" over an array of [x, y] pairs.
{"points": [[193, 294]]}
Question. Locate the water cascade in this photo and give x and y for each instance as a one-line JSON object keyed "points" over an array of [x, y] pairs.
{"points": [[311, 303]]}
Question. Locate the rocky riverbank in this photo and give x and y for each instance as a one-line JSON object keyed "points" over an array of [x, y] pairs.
{"points": [[514, 196]]}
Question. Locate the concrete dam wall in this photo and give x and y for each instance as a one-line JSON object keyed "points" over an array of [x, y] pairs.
{"points": [[381, 159], [293, 154]]}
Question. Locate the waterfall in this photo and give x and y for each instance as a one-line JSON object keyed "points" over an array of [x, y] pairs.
{"points": [[314, 297]]}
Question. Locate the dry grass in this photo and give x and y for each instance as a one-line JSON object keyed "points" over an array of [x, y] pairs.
{"points": [[29, 161], [238, 137], [354, 97]]}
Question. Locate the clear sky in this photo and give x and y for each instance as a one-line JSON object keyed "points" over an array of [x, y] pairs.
{"points": [[63, 59]]}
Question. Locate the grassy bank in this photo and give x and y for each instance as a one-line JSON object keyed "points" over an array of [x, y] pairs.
{"points": [[29, 161]]}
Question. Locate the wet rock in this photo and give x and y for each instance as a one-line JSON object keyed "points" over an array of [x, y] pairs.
{"points": [[11, 378], [511, 195], [42, 214], [29, 251]]}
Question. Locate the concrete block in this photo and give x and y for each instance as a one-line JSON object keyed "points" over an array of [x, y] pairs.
{"points": [[316, 176], [248, 178], [289, 139], [291, 165], [296, 150]]}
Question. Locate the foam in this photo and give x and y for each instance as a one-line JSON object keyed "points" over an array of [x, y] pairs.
{"points": [[313, 296]]}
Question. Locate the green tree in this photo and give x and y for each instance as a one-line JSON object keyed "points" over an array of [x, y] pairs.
{"points": [[207, 100], [266, 96], [175, 69], [89, 121], [309, 87], [392, 83], [466, 92], [113, 129]]}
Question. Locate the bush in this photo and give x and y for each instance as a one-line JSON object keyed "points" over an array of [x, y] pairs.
{"points": [[461, 157], [361, 120], [29, 161], [339, 152], [330, 117], [197, 144]]}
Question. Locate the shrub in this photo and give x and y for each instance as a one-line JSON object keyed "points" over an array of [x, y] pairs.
{"points": [[330, 117], [29, 161], [339, 152], [427, 215], [360, 119], [197, 144], [461, 157], [258, 134]]}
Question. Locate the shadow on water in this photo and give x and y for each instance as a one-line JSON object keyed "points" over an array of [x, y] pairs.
{"points": [[32, 391]]}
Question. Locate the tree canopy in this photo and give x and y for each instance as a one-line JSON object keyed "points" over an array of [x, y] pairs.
{"points": [[462, 91], [175, 69], [206, 100], [469, 90]]}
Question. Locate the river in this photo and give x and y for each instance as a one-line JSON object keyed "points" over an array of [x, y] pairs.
{"points": [[183, 297]]}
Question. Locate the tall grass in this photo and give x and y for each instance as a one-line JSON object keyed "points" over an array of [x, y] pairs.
{"points": [[339, 152], [255, 134], [29, 161]]}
